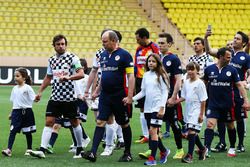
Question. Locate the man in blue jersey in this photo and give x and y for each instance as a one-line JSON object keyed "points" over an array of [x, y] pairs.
{"points": [[222, 79], [241, 61], [172, 65], [115, 96]]}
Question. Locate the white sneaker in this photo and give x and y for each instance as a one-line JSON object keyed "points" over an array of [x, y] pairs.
{"points": [[85, 142], [231, 152], [72, 150], [6, 152], [77, 156], [71, 146], [38, 154], [107, 151], [27, 152]]}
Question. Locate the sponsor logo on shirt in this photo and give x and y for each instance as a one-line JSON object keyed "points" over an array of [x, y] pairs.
{"points": [[141, 59], [109, 68], [236, 65]]}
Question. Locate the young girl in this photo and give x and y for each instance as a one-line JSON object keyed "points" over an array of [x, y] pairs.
{"points": [[155, 88], [22, 116], [195, 95]]}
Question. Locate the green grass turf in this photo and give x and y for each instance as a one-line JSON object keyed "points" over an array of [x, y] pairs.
{"points": [[63, 158]]}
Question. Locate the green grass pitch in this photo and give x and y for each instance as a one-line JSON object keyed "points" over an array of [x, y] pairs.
{"points": [[63, 158]]}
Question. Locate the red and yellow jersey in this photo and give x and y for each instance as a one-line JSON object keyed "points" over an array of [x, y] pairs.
{"points": [[141, 55]]}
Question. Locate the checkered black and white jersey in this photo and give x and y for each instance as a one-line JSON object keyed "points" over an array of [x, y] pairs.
{"points": [[203, 60], [97, 57], [64, 65], [96, 62]]}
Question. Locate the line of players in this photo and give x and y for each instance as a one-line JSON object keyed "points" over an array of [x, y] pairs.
{"points": [[171, 62]]}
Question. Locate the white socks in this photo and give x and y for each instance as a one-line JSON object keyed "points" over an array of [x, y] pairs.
{"points": [[46, 136], [119, 133], [110, 134], [78, 135], [144, 126]]}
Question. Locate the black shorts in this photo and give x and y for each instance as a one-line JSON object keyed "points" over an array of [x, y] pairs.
{"points": [[222, 115], [153, 120], [140, 103], [82, 110], [193, 127], [112, 104], [171, 114], [65, 109], [23, 119], [64, 122], [240, 113], [179, 112]]}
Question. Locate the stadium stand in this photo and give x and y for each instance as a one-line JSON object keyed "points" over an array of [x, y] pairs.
{"points": [[193, 16], [28, 26]]}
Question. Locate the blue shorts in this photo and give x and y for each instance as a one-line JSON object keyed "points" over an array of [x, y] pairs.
{"points": [[82, 110], [223, 115], [153, 120], [65, 109], [112, 104], [23, 119], [240, 113]]}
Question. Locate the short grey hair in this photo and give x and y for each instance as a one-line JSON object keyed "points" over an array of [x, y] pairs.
{"points": [[113, 36]]}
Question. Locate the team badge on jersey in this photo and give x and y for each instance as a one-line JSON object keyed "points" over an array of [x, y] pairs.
{"points": [[228, 73], [168, 63], [208, 112], [117, 57], [242, 57]]}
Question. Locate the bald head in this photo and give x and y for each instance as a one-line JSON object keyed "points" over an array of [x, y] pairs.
{"points": [[111, 35], [109, 40]]}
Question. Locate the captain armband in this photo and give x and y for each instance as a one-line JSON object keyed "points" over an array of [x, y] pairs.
{"points": [[129, 70]]}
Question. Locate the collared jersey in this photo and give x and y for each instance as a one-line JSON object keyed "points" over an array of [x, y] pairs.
{"points": [[172, 65], [142, 52], [241, 61], [220, 86], [114, 68], [64, 65]]}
